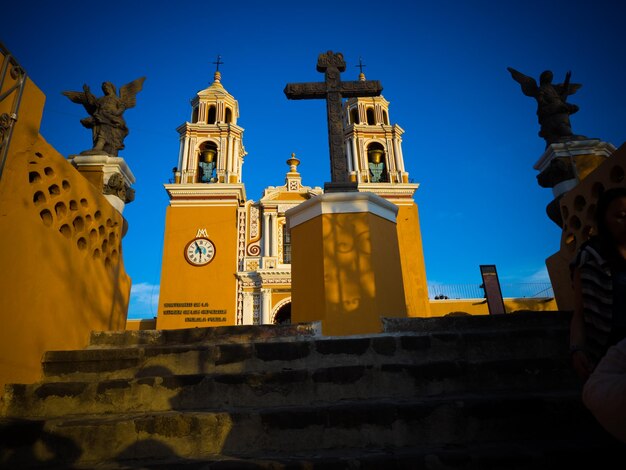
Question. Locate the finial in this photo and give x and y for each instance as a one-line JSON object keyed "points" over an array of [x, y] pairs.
{"points": [[293, 163], [360, 66], [218, 76]]}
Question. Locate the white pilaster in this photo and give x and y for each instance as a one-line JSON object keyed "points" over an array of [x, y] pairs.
{"points": [[266, 306], [266, 234], [274, 234], [248, 308], [349, 156]]}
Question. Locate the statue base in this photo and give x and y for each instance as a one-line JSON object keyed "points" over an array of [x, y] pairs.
{"points": [[577, 207], [111, 175], [564, 165]]}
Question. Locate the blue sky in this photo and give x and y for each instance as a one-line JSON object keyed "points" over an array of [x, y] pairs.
{"points": [[471, 136]]}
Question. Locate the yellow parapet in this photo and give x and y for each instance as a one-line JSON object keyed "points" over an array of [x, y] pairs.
{"points": [[62, 269]]}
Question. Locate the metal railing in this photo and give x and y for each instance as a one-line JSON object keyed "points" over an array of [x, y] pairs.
{"points": [[528, 290], [11, 71]]}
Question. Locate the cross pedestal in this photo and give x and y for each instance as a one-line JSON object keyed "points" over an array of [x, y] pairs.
{"points": [[346, 268]]}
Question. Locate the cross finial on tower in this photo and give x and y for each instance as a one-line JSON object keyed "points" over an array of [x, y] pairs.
{"points": [[360, 66], [218, 62]]}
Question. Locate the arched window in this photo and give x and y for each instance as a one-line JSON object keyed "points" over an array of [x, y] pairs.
{"points": [[370, 117], [211, 116], [354, 116], [229, 116], [194, 115], [385, 118]]}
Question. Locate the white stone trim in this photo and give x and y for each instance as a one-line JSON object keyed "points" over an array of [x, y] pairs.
{"points": [[341, 203], [204, 193], [110, 165], [574, 148]]}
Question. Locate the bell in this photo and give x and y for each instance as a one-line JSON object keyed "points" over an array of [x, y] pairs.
{"points": [[208, 155], [375, 155]]}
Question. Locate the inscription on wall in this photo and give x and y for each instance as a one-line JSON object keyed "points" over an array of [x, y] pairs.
{"points": [[195, 312]]}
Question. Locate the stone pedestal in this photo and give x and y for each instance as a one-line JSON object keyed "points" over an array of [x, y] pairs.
{"points": [[577, 210], [345, 268], [109, 174], [565, 164]]}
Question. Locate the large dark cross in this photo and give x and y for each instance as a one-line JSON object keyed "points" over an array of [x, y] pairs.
{"points": [[333, 90]]}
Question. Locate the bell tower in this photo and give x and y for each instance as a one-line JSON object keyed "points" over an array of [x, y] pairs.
{"points": [[373, 145], [376, 163], [211, 149], [206, 216]]}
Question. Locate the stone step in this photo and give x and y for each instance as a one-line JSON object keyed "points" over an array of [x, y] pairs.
{"points": [[529, 454], [219, 334], [465, 322], [163, 360], [285, 387], [373, 424]]}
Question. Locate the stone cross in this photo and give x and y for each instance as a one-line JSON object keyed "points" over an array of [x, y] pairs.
{"points": [[333, 90]]}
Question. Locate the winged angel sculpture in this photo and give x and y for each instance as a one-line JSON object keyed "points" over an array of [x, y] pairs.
{"points": [[105, 119], [553, 110]]}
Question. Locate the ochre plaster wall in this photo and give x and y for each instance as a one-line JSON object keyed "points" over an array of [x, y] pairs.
{"points": [[345, 272], [62, 269], [412, 261], [141, 324], [441, 308], [198, 296]]}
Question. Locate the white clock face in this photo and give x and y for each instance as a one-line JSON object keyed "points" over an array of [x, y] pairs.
{"points": [[199, 251]]}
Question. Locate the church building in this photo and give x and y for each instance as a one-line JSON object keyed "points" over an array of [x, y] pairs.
{"points": [[226, 259]]}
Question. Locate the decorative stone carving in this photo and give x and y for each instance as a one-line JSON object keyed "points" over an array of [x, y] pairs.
{"points": [[116, 186]]}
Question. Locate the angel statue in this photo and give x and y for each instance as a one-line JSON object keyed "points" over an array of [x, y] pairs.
{"points": [[553, 110], [105, 114]]}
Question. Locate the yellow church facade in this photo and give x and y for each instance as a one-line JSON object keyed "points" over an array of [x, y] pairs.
{"points": [[227, 259]]}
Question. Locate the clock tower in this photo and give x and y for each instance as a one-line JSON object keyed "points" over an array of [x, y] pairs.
{"points": [[203, 218]]}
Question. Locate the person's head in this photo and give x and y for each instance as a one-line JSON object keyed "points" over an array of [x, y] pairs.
{"points": [[611, 215]]}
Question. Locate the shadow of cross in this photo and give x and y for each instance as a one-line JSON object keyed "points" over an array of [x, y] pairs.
{"points": [[332, 89]]}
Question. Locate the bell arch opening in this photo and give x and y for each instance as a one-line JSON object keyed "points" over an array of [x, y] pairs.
{"points": [[376, 163]]}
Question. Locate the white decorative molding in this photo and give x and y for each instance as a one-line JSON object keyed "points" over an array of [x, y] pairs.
{"points": [[398, 193], [204, 194], [574, 148], [341, 203], [254, 221], [241, 242]]}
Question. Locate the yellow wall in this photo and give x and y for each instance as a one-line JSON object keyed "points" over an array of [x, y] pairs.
{"points": [[62, 271], [441, 308], [339, 278], [141, 324], [193, 296], [412, 261]]}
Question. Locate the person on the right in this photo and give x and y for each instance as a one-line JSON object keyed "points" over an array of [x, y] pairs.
{"points": [[604, 394], [599, 277]]}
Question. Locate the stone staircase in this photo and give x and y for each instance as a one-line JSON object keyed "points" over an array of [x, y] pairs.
{"points": [[439, 393]]}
